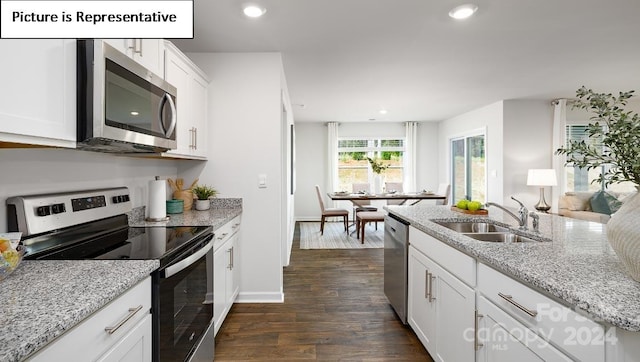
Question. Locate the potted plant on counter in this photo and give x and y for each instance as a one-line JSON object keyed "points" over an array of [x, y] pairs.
{"points": [[614, 138], [203, 194]]}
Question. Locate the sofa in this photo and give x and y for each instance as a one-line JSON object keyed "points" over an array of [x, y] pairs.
{"points": [[580, 205]]}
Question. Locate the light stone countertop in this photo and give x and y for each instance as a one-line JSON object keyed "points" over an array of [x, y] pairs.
{"points": [[578, 267], [222, 211], [42, 299]]}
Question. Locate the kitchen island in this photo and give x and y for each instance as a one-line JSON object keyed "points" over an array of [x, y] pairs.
{"points": [[574, 266]]}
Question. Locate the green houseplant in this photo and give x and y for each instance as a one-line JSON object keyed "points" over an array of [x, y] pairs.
{"points": [[378, 168], [614, 141], [204, 193]]}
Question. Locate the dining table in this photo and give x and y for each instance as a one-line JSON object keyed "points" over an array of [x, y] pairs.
{"points": [[410, 198]]}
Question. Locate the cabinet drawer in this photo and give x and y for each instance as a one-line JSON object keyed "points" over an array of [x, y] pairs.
{"points": [[577, 335], [457, 263], [89, 339], [224, 233]]}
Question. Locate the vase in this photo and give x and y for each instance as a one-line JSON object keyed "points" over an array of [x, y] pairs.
{"points": [[623, 233], [203, 205], [377, 184]]}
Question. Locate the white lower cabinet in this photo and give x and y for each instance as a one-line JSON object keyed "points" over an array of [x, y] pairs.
{"points": [[120, 331], [440, 309], [226, 272], [501, 338]]}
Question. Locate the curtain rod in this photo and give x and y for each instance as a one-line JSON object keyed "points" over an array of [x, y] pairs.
{"points": [[554, 102]]}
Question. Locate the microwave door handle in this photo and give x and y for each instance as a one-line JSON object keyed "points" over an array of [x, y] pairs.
{"points": [[167, 99], [183, 264]]}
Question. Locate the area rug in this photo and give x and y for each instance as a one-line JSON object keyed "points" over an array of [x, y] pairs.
{"points": [[335, 238]]}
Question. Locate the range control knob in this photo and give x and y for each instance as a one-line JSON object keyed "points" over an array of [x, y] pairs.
{"points": [[43, 210], [57, 208]]}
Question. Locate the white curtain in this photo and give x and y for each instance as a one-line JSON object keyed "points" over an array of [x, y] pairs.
{"points": [[559, 139], [411, 130], [332, 157]]}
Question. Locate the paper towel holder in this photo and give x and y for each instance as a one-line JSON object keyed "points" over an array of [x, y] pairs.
{"points": [[157, 219]]}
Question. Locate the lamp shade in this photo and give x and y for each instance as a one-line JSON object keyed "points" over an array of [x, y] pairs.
{"points": [[542, 177]]}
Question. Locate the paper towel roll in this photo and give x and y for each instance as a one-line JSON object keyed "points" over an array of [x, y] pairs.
{"points": [[157, 199]]}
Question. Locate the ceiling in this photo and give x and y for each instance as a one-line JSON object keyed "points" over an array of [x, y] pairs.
{"points": [[344, 60]]}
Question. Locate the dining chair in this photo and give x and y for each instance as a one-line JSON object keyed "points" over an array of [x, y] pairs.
{"points": [[443, 189], [365, 217], [391, 187], [361, 205], [331, 212]]}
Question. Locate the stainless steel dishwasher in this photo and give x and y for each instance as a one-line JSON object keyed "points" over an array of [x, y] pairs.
{"points": [[396, 252]]}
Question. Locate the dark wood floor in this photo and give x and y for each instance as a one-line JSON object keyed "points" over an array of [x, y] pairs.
{"points": [[334, 309]]}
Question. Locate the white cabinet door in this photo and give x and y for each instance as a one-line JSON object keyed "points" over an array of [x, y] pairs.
{"points": [[192, 104], [441, 309], [232, 271], [198, 92], [134, 347], [177, 73], [503, 338], [220, 264], [38, 99], [421, 311], [455, 307], [148, 52]]}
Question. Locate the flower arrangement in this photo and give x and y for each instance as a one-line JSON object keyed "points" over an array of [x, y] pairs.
{"points": [[616, 133], [204, 192], [377, 166]]}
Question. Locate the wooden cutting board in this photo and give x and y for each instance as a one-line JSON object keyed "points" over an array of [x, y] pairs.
{"points": [[476, 212]]}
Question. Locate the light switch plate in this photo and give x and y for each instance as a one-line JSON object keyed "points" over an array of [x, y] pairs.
{"points": [[262, 181]]}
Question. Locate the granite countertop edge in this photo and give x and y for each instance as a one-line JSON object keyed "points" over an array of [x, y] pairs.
{"points": [[613, 298]]}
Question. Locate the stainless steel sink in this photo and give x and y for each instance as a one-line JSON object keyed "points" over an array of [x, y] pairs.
{"points": [[472, 227], [499, 237]]}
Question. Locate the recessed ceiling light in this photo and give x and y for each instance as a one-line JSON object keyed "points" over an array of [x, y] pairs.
{"points": [[253, 11], [383, 111], [463, 11], [134, 113]]}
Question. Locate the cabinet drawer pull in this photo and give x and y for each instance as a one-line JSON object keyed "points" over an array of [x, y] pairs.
{"points": [[431, 297], [476, 341], [427, 279], [132, 312], [222, 236], [509, 299]]}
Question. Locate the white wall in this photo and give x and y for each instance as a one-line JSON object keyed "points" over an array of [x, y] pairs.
{"points": [[311, 151], [245, 140], [36, 170], [528, 132]]}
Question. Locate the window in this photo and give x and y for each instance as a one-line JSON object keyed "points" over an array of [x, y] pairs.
{"points": [[581, 179], [468, 168], [353, 166]]}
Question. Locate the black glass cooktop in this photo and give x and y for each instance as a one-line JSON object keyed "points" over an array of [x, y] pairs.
{"points": [[113, 239]]}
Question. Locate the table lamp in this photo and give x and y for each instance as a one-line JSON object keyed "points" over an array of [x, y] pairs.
{"points": [[542, 178]]}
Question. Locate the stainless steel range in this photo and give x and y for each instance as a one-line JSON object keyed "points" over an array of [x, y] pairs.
{"points": [[93, 224]]}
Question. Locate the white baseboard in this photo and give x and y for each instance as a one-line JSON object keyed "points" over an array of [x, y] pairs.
{"points": [[260, 298]]}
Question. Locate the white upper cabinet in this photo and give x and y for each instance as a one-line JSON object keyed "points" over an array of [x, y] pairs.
{"points": [[38, 96], [148, 52], [192, 85]]}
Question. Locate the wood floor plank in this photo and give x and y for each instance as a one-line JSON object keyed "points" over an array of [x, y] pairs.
{"points": [[334, 310]]}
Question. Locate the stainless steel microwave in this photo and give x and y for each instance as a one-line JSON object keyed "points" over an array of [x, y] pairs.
{"points": [[121, 106]]}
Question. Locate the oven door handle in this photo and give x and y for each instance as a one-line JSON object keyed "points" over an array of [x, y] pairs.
{"points": [[183, 264]]}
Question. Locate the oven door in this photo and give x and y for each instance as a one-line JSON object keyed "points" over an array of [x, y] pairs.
{"points": [[185, 305]]}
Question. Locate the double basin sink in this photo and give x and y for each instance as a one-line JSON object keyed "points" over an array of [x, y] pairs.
{"points": [[483, 231]]}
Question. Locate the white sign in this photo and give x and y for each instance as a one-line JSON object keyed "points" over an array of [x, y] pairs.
{"points": [[96, 19]]}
